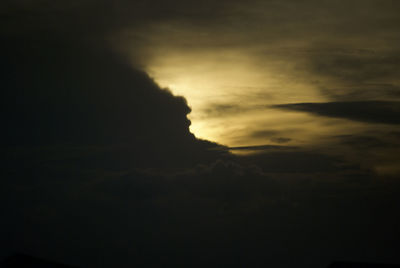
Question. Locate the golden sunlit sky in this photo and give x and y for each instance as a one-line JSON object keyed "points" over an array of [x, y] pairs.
{"points": [[235, 68]]}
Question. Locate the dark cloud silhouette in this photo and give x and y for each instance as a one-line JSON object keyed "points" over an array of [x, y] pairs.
{"points": [[228, 212], [62, 92], [385, 112], [99, 169], [59, 92], [77, 119]]}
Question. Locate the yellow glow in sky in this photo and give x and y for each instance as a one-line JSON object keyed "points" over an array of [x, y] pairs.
{"points": [[229, 93]]}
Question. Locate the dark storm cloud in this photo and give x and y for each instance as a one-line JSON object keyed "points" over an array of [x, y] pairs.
{"points": [[200, 216], [78, 122], [63, 92], [366, 111], [98, 167], [57, 91]]}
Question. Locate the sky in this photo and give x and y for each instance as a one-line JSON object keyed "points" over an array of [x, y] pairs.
{"points": [[200, 133]]}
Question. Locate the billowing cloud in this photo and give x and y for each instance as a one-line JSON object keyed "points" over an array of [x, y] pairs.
{"points": [[57, 92]]}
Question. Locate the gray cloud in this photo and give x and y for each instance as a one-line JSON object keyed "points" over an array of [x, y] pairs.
{"points": [[365, 111], [264, 133], [362, 91], [218, 110], [365, 142], [272, 135], [354, 75]]}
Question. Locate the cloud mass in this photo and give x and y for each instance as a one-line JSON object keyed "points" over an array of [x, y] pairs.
{"points": [[103, 103]]}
